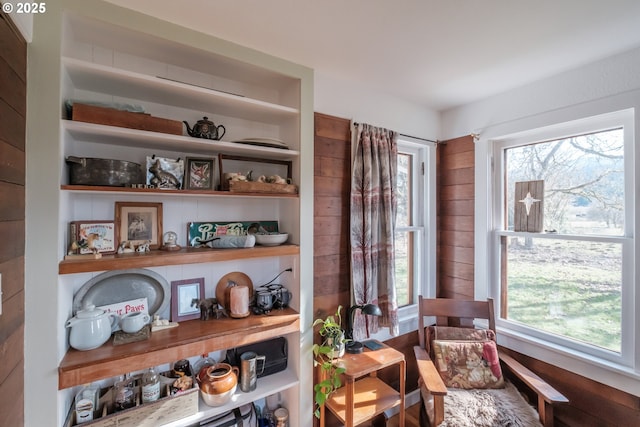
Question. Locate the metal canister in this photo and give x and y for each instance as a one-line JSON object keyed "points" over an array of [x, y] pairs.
{"points": [[282, 417]]}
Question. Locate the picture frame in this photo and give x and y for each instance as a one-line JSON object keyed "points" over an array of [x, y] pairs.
{"points": [[198, 173], [139, 223], [183, 292], [103, 233]]}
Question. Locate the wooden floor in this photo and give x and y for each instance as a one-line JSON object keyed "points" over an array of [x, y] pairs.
{"points": [[411, 418]]}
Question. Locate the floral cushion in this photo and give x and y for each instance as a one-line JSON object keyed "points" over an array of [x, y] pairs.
{"points": [[455, 334], [468, 364]]}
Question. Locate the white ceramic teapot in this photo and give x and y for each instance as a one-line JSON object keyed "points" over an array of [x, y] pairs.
{"points": [[90, 328]]}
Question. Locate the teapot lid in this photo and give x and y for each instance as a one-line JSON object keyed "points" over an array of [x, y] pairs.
{"points": [[205, 120], [89, 312]]}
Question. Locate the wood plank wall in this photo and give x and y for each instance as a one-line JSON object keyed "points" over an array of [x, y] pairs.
{"points": [[13, 61], [591, 403], [455, 168], [332, 172]]}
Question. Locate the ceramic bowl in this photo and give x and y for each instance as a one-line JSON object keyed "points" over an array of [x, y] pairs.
{"points": [[271, 239]]}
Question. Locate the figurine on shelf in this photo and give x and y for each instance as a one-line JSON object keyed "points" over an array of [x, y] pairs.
{"points": [[159, 324], [126, 247], [208, 308], [276, 179], [87, 242], [144, 247]]}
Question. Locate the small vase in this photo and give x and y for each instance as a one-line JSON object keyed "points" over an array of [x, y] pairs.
{"points": [[337, 343]]}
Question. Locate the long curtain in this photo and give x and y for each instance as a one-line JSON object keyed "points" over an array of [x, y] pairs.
{"points": [[373, 214]]}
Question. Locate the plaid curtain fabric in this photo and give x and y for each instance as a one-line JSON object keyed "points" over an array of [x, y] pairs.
{"points": [[373, 215]]}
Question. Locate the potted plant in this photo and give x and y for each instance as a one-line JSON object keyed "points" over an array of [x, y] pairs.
{"points": [[324, 354]]}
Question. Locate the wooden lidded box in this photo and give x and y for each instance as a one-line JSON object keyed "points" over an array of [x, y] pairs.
{"points": [[165, 410], [126, 119]]}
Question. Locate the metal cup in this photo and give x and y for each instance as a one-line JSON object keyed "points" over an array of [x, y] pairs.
{"points": [[249, 370]]}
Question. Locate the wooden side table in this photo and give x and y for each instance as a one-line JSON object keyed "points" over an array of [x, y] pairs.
{"points": [[364, 395]]}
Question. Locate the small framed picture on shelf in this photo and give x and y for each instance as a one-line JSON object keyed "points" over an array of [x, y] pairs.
{"points": [[85, 237], [183, 294], [139, 223], [198, 173]]}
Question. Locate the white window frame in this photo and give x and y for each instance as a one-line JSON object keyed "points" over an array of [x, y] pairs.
{"points": [[622, 370], [424, 214]]}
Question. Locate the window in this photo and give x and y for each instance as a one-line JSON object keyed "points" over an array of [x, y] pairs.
{"points": [[409, 238], [571, 284]]}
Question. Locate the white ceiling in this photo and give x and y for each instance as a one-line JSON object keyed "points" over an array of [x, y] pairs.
{"points": [[436, 53]]}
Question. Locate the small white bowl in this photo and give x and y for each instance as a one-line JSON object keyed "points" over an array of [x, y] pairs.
{"points": [[271, 239]]}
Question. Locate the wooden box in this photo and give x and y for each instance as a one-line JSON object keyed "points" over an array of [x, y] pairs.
{"points": [[165, 410], [261, 187], [257, 166], [112, 117]]}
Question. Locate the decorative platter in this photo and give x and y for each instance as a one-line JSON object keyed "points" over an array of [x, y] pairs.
{"points": [[264, 142], [123, 285]]}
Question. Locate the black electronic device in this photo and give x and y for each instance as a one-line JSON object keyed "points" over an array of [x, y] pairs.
{"points": [[373, 344]]}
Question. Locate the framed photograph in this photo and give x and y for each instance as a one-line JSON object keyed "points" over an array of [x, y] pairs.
{"points": [[198, 174], [183, 292], [139, 222], [86, 235]]}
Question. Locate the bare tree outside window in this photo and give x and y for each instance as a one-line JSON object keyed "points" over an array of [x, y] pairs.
{"points": [[571, 284]]}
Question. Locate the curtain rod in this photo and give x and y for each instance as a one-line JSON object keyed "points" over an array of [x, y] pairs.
{"points": [[356, 124]]}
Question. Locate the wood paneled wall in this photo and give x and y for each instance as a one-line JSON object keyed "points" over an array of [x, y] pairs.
{"points": [[455, 204], [332, 175], [332, 164], [591, 403], [13, 68]]}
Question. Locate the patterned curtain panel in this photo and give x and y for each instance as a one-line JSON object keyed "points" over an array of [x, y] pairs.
{"points": [[373, 215]]}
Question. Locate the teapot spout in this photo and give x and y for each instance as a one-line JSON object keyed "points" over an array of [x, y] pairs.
{"points": [[189, 130]]}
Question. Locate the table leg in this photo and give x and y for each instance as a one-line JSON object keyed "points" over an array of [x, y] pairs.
{"points": [[349, 398], [402, 384]]}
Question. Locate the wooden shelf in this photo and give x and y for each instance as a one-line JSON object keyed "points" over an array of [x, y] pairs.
{"points": [[161, 258], [96, 189], [190, 338], [113, 135], [266, 386], [116, 81], [371, 397]]}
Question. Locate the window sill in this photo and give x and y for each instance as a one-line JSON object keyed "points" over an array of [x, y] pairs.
{"points": [[604, 371], [408, 319]]}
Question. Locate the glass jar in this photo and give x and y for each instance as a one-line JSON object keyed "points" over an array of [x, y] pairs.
{"points": [[282, 417], [181, 367], [86, 402], [150, 386], [124, 393]]}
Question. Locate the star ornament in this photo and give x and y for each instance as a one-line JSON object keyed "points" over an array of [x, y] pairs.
{"points": [[529, 201]]}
